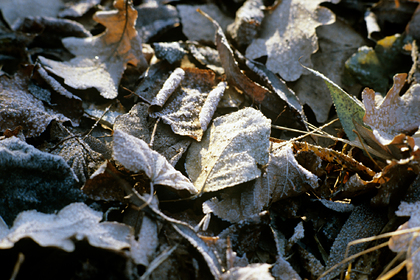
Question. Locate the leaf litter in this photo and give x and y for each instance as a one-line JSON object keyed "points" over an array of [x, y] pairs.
{"points": [[196, 137]]}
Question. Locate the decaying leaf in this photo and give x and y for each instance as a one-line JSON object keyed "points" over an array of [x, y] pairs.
{"points": [[288, 33], [31, 179], [74, 222], [135, 155], [285, 176], [231, 152], [393, 114], [101, 60]]}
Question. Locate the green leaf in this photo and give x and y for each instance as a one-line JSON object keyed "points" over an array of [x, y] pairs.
{"points": [[347, 106]]}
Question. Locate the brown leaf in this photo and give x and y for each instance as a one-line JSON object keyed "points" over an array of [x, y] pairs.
{"points": [[101, 60]]}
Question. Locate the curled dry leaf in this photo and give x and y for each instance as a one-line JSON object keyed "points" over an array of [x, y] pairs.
{"points": [[74, 222], [231, 152], [101, 60], [288, 33], [393, 114], [191, 106], [135, 155]]}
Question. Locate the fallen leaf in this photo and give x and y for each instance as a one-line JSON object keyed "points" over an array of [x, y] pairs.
{"points": [[394, 114], [288, 33], [247, 22], [192, 105], [285, 176], [408, 242], [255, 271], [231, 151], [138, 123], [101, 60], [241, 203], [348, 107], [77, 8], [12, 10], [74, 222], [195, 27], [362, 222], [337, 43], [135, 155], [155, 19], [31, 179], [19, 107]]}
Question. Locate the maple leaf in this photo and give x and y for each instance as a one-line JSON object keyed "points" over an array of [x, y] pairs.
{"points": [[101, 60]]}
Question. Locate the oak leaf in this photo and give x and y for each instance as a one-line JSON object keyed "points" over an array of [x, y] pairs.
{"points": [[101, 60]]}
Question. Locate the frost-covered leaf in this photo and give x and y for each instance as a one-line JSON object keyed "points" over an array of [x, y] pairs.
{"points": [[285, 176], [247, 22], [77, 8], [240, 204], [19, 107], [135, 155], [31, 179], [233, 74], [408, 242], [231, 152], [327, 60], [101, 60], [197, 28], [288, 33], [348, 107], [155, 19], [283, 270], [393, 114], [255, 271], [362, 222], [191, 106], [75, 221], [138, 123], [14, 9]]}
